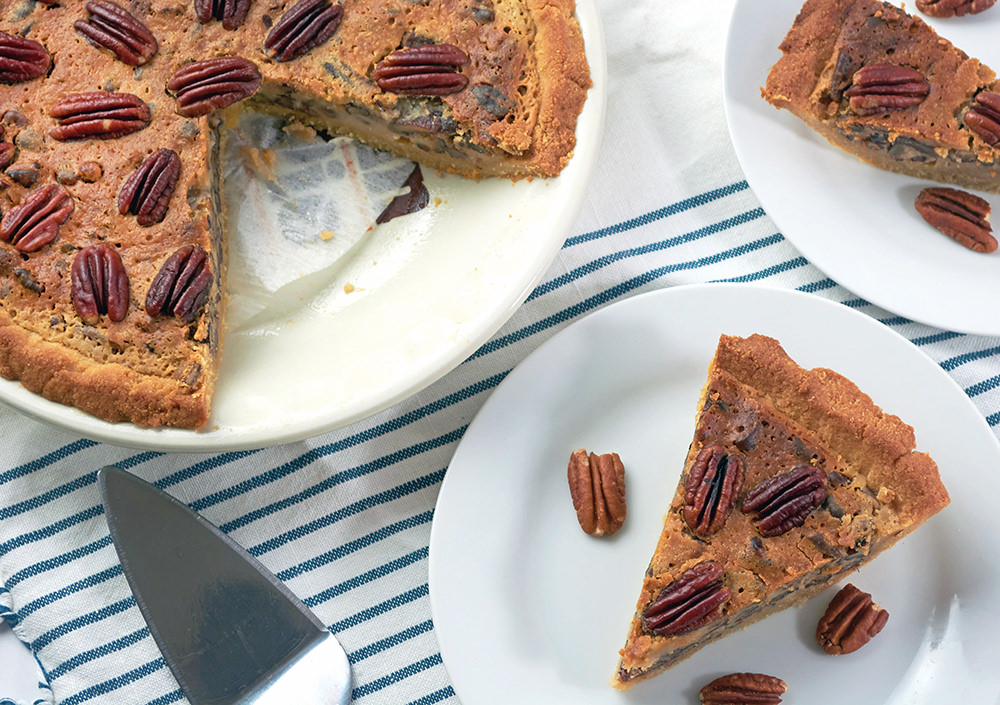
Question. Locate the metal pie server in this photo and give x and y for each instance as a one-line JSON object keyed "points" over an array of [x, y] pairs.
{"points": [[229, 630]]}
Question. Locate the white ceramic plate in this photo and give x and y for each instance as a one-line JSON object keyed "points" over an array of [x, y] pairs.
{"points": [[424, 301], [530, 610], [855, 222]]}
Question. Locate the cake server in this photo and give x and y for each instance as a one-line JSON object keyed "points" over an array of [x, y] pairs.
{"points": [[229, 630]]}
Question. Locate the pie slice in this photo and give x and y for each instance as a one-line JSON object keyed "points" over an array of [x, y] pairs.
{"points": [[883, 86], [794, 478]]}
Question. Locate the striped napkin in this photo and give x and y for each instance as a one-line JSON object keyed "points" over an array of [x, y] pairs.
{"points": [[344, 519]]}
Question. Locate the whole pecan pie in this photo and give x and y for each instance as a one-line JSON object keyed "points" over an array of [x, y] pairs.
{"points": [[112, 117]]}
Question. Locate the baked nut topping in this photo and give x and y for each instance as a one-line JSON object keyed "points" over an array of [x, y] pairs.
{"points": [[22, 59], [711, 488], [983, 118], [783, 502], [100, 285], [36, 222], [98, 115], [8, 153], [111, 27], [429, 69], [202, 87], [597, 486], [959, 215], [879, 88], [181, 286], [231, 13], [743, 689], [688, 602], [850, 621], [146, 193], [953, 8], [308, 24]]}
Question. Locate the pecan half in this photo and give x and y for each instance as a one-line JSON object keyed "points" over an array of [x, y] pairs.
{"points": [[959, 215], [783, 502], [743, 689], [8, 153], [98, 115], [231, 13], [181, 286], [983, 118], [713, 483], [850, 621], [953, 8], [597, 486], [429, 69], [99, 284], [308, 24], [146, 193], [879, 88], [22, 59], [204, 86], [36, 222], [113, 28], [687, 603]]}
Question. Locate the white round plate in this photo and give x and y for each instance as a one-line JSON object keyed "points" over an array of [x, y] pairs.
{"points": [[855, 222], [424, 301], [528, 609]]}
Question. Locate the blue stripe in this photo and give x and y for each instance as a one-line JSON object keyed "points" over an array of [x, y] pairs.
{"points": [[55, 493], [171, 697], [82, 621], [936, 338], [993, 419], [392, 678], [58, 561], [960, 360], [113, 684], [46, 460], [102, 650], [367, 577], [50, 530], [90, 581], [389, 642], [435, 697], [983, 386], [821, 285], [786, 266], [405, 598]]}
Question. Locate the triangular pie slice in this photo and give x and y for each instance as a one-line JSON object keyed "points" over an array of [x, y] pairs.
{"points": [[884, 86], [794, 478]]}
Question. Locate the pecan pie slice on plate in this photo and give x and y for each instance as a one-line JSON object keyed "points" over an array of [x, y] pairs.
{"points": [[794, 478]]}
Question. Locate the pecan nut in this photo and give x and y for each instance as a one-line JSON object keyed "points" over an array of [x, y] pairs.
{"points": [[36, 222], [597, 486], [22, 59], [307, 25], [98, 115], [146, 193], [711, 488], [688, 602], [983, 118], [879, 88], [8, 153], [231, 13], [743, 689], [850, 621], [953, 8], [100, 284], [429, 69], [113, 28], [181, 286], [783, 502], [202, 87], [959, 215]]}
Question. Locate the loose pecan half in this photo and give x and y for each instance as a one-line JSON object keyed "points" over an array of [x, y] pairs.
{"points": [[743, 689], [953, 8], [181, 286], [98, 115], [99, 284], [146, 193], [428, 69], [36, 222], [850, 621], [713, 483], [983, 118], [22, 59], [783, 502], [879, 88], [8, 153], [308, 24], [110, 26], [959, 215], [231, 13], [688, 602], [597, 486], [202, 87]]}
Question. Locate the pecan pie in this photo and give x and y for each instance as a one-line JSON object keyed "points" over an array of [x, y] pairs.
{"points": [[885, 87], [112, 118], [794, 478]]}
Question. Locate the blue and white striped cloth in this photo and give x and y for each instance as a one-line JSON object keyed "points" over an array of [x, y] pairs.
{"points": [[344, 519]]}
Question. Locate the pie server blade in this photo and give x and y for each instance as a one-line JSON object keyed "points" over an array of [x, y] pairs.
{"points": [[228, 629]]}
